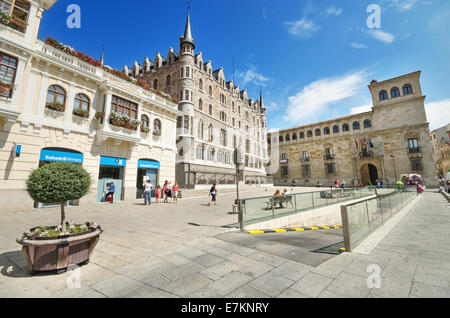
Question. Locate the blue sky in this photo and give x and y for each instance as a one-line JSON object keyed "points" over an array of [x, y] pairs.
{"points": [[313, 59]]}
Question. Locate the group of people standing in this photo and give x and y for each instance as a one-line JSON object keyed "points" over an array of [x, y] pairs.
{"points": [[165, 192]]}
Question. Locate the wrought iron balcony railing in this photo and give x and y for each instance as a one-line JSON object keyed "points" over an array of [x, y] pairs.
{"points": [[329, 157], [414, 150]]}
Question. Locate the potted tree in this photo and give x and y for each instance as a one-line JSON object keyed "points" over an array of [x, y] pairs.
{"points": [[58, 247]]}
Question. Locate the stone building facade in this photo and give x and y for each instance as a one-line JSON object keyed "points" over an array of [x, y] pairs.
{"points": [[440, 140], [391, 140], [57, 104], [218, 117]]}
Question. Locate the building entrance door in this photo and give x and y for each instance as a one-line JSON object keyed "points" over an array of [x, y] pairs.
{"points": [[147, 170], [369, 173]]}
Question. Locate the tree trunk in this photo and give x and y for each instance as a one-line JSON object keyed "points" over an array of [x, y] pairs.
{"points": [[63, 217]]}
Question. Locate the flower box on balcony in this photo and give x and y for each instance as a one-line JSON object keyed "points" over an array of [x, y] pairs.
{"points": [[99, 115], [6, 89], [123, 122], [56, 106], [145, 130], [81, 113]]}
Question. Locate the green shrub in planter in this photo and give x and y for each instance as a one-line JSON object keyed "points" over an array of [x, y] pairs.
{"points": [[58, 182]]}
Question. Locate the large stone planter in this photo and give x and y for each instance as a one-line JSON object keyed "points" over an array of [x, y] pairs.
{"points": [[47, 254]]}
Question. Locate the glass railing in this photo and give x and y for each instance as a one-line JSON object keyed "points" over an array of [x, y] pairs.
{"points": [[361, 218], [270, 207]]}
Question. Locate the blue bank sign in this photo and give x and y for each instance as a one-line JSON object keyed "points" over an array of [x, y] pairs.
{"points": [[61, 156], [115, 162], [147, 164]]}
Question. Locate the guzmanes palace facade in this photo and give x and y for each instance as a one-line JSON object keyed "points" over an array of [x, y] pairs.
{"points": [[391, 140]]}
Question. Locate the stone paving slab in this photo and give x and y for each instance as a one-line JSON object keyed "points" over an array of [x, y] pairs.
{"points": [[139, 257]]}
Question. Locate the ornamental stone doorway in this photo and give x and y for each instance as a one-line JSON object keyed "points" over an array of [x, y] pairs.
{"points": [[369, 173]]}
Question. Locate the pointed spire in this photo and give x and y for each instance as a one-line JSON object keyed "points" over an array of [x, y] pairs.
{"points": [[187, 32], [261, 101], [102, 58]]}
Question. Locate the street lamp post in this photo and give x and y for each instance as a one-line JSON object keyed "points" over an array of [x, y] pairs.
{"points": [[393, 161], [237, 162]]}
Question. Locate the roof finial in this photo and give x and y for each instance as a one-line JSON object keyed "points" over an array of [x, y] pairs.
{"points": [[102, 58], [187, 32]]}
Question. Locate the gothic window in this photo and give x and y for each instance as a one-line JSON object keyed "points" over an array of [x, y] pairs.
{"points": [[210, 133], [326, 131], [210, 91], [367, 123], [200, 84], [407, 89], [200, 129], [145, 122], [210, 110], [200, 104], [281, 138], [155, 84], [356, 125], [168, 80], [223, 137], [287, 138], [318, 132], [383, 95], [302, 135], [345, 127], [309, 133], [294, 136], [395, 92]]}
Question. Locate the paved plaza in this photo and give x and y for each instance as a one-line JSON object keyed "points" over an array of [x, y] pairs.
{"points": [[192, 250]]}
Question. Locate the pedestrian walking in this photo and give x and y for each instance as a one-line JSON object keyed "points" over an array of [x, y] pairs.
{"points": [[158, 193], [343, 184], [148, 187], [111, 191], [175, 189], [213, 194]]}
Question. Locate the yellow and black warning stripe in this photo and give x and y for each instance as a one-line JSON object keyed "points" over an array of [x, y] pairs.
{"points": [[294, 229]]}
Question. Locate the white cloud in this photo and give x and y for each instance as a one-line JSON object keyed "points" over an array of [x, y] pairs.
{"points": [[402, 5], [382, 36], [315, 98], [361, 109], [438, 113], [302, 28], [335, 11], [358, 45], [252, 76]]}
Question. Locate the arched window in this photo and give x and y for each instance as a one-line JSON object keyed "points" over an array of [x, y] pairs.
{"points": [[157, 127], [200, 104], [200, 129], [309, 133], [395, 92], [345, 127], [81, 102], [326, 131], [356, 125], [302, 135], [210, 133], [281, 138], [210, 91], [168, 80], [407, 89], [383, 95], [294, 136], [155, 84], [210, 109], [318, 132], [367, 123], [247, 146], [56, 98], [223, 137], [200, 84], [145, 121], [335, 129], [287, 138]]}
